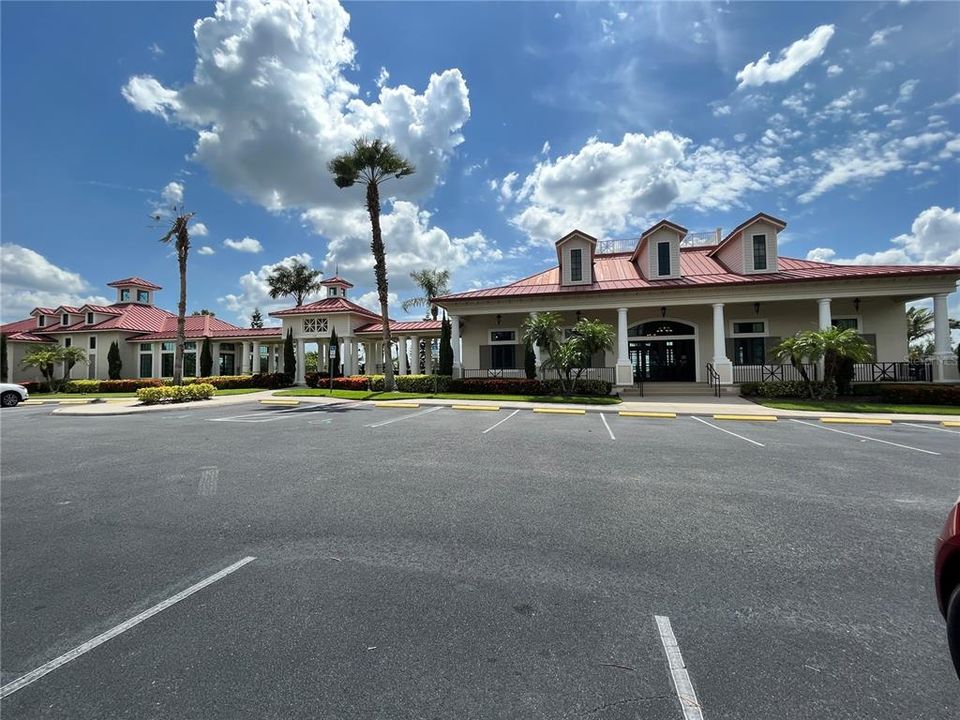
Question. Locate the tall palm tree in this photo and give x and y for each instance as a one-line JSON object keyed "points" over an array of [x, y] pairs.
{"points": [[372, 162], [297, 279], [433, 283], [179, 236]]}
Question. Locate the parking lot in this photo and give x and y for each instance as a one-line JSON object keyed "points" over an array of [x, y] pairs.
{"points": [[353, 561]]}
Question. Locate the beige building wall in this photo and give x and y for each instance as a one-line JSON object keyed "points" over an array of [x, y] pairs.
{"points": [[576, 243]]}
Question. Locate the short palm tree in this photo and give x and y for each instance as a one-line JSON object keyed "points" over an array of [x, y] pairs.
{"points": [[297, 279], [179, 236], [45, 358], [372, 162], [797, 350], [433, 283]]}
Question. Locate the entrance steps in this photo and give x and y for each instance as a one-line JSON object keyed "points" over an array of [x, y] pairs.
{"points": [[677, 389]]}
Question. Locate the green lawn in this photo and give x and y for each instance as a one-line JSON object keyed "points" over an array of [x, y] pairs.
{"points": [[861, 407], [367, 395], [120, 395]]}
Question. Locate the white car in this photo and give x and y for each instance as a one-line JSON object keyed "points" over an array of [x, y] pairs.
{"points": [[12, 395]]}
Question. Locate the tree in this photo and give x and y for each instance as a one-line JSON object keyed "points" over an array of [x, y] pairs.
{"points": [[837, 347], [114, 363], [919, 323], [297, 280], [310, 361], [203, 312], [179, 236], [570, 356], [445, 352], [256, 320], [433, 283], [529, 361], [3, 358], [70, 356], [206, 358], [334, 362], [372, 162], [796, 349], [46, 358], [289, 355]]}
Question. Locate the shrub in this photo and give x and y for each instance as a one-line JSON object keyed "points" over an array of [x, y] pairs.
{"points": [[789, 389], [583, 387], [129, 385], [270, 381], [354, 382], [175, 393], [33, 386], [81, 386], [423, 383], [933, 394], [498, 386]]}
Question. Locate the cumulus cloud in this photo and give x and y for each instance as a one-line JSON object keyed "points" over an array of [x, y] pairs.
{"points": [[721, 110], [934, 239], [834, 70], [172, 193], [206, 250], [198, 229], [246, 245], [789, 62], [29, 280], [880, 36], [255, 292]]}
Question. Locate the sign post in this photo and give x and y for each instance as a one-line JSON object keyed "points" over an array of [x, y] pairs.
{"points": [[332, 354]]}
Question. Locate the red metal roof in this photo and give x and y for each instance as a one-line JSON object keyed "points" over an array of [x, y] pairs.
{"points": [[24, 331], [616, 272], [328, 306], [404, 326], [135, 281], [233, 332], [747, 223], [336, 280]]}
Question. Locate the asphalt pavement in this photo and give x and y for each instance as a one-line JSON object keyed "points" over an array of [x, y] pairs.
{"points": [[435, 563]]}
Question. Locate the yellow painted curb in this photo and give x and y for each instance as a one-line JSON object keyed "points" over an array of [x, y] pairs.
{"points": [[476, 407], [397, 405], [950, 423], [631, 413], [33, 402], [758, 418], [855, 421], [280, 402], [560, 411], [74, 402]]}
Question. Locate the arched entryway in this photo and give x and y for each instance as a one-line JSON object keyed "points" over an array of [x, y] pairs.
{"points": [[663, 350]]}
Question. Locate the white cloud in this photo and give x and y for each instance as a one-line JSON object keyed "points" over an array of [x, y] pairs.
{"points": [[834, 70], [29, 280], [721, 110], [740, 137], [255, 292], [880, 36], [797, 102], [952, 100], [906, 90], [198, 229], [934, 239], [789, 62], [608, 188], [545, 150], [271, 104], [883, 66], [172, 193], [206, 250], [246, 245], [156, 49], [383, 77]]}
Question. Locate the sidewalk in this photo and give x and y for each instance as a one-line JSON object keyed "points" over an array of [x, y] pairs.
{"points": [[704, 406]]}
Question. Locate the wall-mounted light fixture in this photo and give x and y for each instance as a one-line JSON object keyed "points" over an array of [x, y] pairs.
{"points": [[856, 304], [663, 311], [499, 318], [756, 309]]}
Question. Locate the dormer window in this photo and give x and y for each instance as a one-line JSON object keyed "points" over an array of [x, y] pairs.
{"points": [[125, 295], [663, 259], [759, 252], [576, 265], [89, 318], [143, 296], [331, 292], [64, 319], [41, 320]]}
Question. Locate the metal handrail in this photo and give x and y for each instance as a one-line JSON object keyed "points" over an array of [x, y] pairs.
{"points": [[713, 378]]}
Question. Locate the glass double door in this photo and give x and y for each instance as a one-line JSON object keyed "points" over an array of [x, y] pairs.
{"points": [[663, 360]]}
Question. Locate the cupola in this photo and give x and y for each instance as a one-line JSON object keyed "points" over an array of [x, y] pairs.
{"points": [[134, 290], [336, 286]]}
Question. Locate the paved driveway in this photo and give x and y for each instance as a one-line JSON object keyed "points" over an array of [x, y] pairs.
{"points": [[434, 563]]}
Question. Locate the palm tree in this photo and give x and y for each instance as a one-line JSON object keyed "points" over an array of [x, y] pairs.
{"points": [[46, 358], [372, 162], [434, 283], [919, 323], [796, 349], [297, 279], [179, 235], [203, 312], [574, 353]]}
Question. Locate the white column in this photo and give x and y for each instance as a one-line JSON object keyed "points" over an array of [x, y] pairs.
{"points": [[428, 356], [157, 370], [301, 371], [402, 353], [624, 370], [536, 349], [255, 360], [215, 354], [945, 367], [825, 320], [244, 358], [352, 354], [721, 363], [271, 358], [455, 342]]}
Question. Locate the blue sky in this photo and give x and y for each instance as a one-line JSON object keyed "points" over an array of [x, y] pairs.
{"points": [[525, 120]]}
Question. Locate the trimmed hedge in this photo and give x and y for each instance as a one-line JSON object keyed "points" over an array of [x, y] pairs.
{"points": [[374, 383], [269, 381], [789, 389], [920, 394], [523, 386], [104, 386], [175, 393]]}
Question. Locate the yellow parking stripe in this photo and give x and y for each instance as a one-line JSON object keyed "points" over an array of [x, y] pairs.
{"points": [[632, 413], [80, 401], [951, 423], [476, 407], [560, 411], [855, 421], [397, 405], [294, 403], [758, 418]]}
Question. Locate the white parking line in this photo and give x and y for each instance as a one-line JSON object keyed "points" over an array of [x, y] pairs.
{"points": [[405, 417], [100, 639], [728, 432], [931, 427], [500, 423], [865, 437], [678, 671], [256, 417], [607, 426]]}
